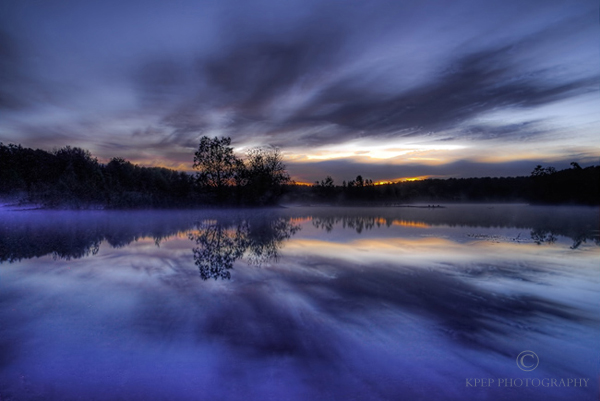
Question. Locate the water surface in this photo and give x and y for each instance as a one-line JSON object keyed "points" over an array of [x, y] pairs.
{"points": [[298, 303]]}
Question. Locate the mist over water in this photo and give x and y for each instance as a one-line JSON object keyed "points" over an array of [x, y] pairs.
{"points": [[298, 303]]}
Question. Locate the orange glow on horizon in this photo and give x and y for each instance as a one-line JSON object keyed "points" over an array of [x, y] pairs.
{"points": [[383, 182], [419, 178], [403, 179], [402, 223], [300, 220], [408, 223]]}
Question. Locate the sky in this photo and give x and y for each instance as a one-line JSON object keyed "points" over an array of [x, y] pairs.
{"points": [[389, 89]]}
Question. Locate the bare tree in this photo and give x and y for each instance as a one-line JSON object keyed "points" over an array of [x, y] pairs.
{"points": [[216, 165], [266, 174]]}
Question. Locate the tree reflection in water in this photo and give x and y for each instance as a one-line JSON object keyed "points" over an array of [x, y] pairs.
{"points": [[358, 223], [540, 236], [539, 233], [221, 243], [73, 235]]}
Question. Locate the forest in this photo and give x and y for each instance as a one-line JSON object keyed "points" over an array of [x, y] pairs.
{"points": [[545, 185], [71, 177]]}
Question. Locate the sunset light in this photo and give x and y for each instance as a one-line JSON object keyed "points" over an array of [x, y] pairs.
{"points": [[299, 200], [481, 95]]}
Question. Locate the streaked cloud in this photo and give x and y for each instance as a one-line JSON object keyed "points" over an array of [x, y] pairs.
{"points": [[376, 86]]}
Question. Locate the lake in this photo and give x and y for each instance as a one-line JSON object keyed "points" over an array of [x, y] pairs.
{"points": [[301, 303]]}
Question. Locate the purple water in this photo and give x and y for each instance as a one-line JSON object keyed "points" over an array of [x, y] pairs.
{"points": [[300, 304]]}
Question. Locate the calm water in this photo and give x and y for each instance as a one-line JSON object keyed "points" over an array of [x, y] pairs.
{"points": [[300, 304]]}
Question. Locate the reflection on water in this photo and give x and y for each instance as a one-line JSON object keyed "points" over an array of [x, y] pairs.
{"points": [[71, 235], [222, 242], [320, 303], [540, 236], [67, 235]]}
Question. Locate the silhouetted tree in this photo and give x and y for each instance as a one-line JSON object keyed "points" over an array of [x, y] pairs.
{"points": [[326, 188], [265, 175], [216, 165], [540, 171], [359, 181]]}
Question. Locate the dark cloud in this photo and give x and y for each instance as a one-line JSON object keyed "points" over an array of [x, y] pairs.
{"points": [[245, 80], [252, 75], [482, 82], [523, 131]]}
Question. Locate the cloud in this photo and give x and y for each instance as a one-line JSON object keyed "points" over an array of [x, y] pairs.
{"points": [[479, 84], [346, 169], [12, 80], [517, 132], [300, 75], [299, 87]]}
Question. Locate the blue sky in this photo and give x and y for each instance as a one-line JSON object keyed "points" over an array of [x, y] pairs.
{"points": [[386, 89]]}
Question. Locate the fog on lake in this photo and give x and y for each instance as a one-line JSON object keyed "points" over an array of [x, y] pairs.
{"points": [[300, 303]]}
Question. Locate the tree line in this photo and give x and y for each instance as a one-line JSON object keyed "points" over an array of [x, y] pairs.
{"points": [[71, 177], [545, 185]]}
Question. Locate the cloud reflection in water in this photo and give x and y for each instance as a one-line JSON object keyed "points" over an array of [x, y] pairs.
{"points": [[321, 303]]}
